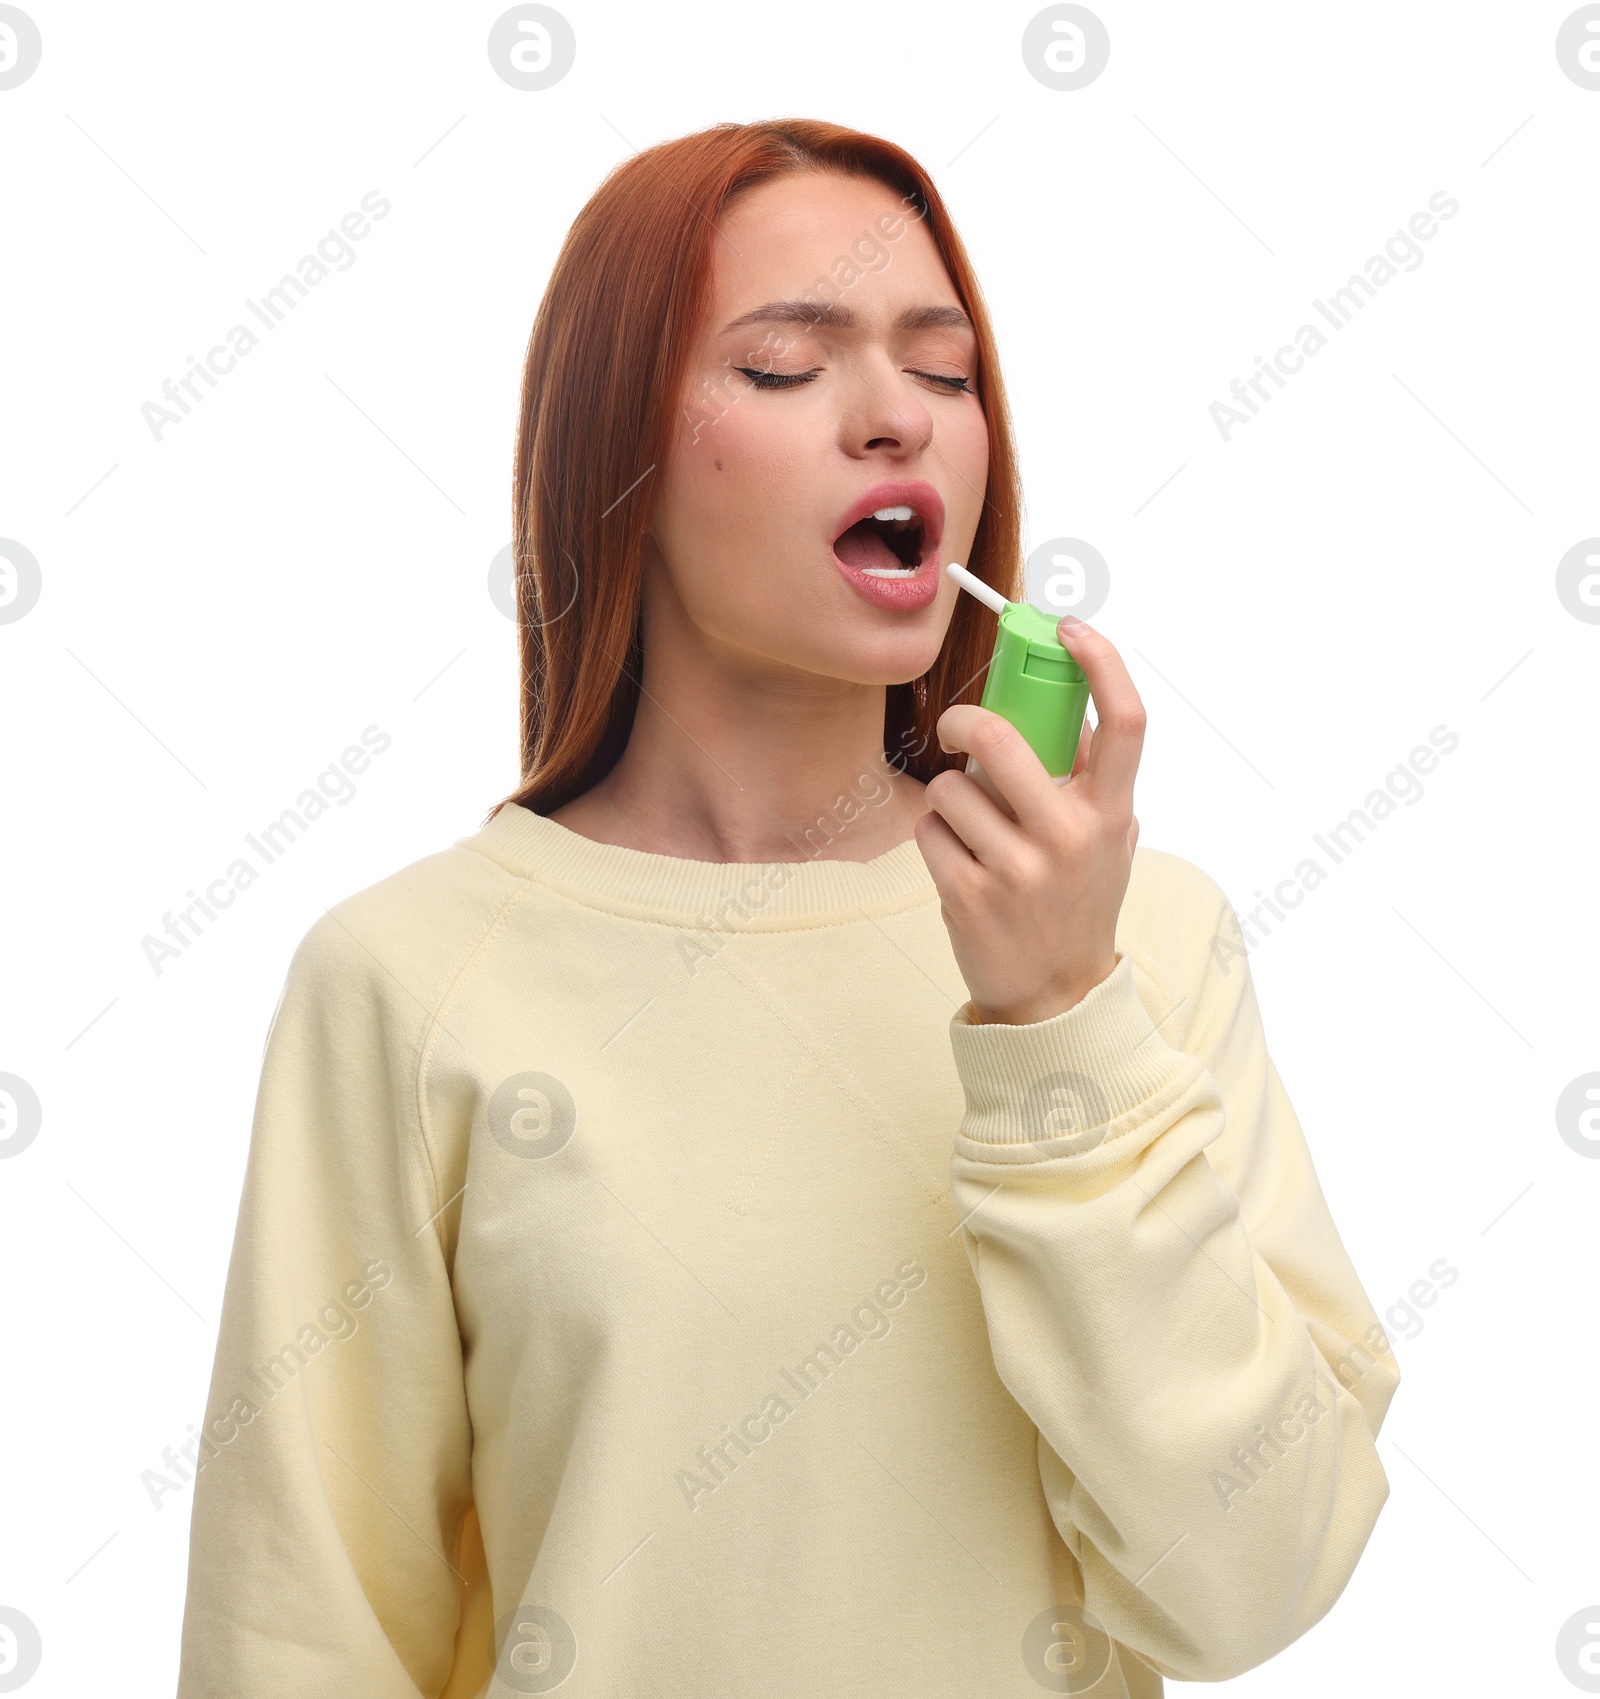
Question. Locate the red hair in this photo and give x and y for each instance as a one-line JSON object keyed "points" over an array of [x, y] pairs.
{"points": [[600, 406]]}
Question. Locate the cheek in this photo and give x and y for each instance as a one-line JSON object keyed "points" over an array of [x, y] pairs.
{"points": [[737, 475], [966, 447], [969, 444], [753, 436], [730, 531]]}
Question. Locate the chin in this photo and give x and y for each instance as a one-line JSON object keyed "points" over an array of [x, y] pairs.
{"points": [[895, 656]]}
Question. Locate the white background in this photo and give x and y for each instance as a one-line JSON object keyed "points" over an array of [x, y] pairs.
{"points": [[224, 610]]}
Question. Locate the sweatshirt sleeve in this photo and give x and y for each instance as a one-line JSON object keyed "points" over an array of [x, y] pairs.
{"points": [[335, 1453], [1168, 1300]]}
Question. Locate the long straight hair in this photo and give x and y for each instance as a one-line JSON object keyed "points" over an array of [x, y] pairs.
{"points": [[600, 405]]}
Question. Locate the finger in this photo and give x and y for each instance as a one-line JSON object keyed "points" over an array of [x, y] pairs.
{"points": [[1080, 755], [947, 858], [1119, 715], [973, 815], [1006, 756]]}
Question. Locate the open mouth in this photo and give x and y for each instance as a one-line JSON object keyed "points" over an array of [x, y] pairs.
{"points": [[885, 544]]}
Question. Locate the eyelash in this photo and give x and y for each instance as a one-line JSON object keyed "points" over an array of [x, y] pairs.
{"points": [[788, 380]]}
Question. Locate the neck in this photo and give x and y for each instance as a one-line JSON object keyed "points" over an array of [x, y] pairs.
{"points": [[736, 759]]}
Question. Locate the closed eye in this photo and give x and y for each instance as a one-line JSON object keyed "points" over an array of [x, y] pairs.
{"points": [[788, 380], [774, 380]]}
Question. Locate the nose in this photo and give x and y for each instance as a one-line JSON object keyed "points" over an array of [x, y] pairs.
{"points": [[882, 412]]}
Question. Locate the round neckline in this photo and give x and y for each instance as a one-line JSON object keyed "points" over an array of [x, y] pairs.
{"points": [[733, 896]]}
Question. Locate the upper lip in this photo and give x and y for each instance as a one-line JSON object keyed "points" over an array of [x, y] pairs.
{"points": [[920, 496]]}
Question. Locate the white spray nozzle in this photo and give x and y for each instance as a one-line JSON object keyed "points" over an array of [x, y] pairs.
{"points": [[990, 597]]}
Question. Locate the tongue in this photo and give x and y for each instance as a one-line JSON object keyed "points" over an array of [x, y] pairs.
{"points": [[863, 545]]}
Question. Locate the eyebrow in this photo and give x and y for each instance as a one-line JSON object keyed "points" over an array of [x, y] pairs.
{"points": [[810, 314]]}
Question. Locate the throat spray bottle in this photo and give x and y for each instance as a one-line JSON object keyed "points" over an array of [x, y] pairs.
{"points": [[1032, 682]]}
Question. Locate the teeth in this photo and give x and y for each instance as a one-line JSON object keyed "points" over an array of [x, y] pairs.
{"points": [[900, 513], [889, 571]]}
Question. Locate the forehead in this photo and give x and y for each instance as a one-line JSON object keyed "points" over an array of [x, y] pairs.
{"points": [[823, 231]]}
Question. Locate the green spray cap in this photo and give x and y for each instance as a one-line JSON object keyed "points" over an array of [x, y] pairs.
{"points": [[1033, 682]]}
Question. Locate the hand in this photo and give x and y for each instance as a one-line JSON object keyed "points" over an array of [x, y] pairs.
{"points": [[1031, 903]]}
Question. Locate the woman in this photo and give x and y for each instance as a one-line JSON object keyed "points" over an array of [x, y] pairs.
{"points": [[759, 1216]]}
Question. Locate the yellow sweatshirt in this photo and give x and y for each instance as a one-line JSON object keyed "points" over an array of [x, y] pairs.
{"points": [[649, 1282]]}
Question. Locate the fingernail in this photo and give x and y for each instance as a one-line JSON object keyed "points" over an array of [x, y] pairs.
{"points": [[1073, 626]]}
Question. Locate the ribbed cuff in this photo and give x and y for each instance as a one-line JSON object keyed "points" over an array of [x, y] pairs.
{"points": [[1060, 1084]]}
